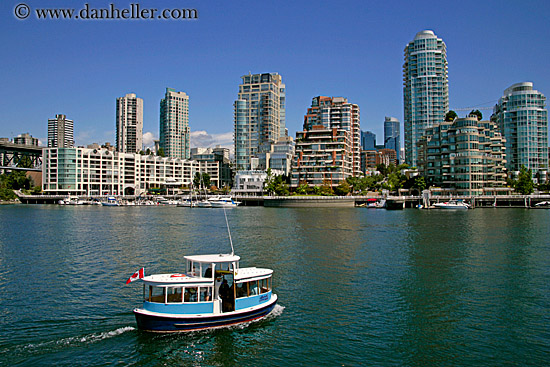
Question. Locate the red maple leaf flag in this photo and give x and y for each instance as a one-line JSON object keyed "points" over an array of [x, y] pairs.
{"points": [[137, 275]]}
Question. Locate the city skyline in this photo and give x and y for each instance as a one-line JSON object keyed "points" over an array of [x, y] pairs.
{"points": [[495, 48]]}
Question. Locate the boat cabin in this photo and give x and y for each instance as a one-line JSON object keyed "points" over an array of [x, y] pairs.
{"points": [[211, 284]]}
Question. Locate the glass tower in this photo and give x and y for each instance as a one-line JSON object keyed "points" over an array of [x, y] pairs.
{"points": [[392, 135], [174, 124], [259, 116], [425, 89], [523, 120]]}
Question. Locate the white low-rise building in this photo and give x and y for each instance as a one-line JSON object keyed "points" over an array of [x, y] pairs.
{"points": [[91, 172]]}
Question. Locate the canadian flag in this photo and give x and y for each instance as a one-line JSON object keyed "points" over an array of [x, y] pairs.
{"points": [[137, 275]]}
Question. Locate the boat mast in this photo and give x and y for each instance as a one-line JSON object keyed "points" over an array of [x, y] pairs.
{"points": [[229, 232]]}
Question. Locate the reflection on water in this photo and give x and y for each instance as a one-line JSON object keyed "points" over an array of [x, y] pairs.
{"points": [[357, 286]]}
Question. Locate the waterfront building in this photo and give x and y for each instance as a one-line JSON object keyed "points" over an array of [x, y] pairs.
{"points": [[368, 140], [129, 124], [251, 182], [465, 155], [328, 150], [93, 172], [60, 132], [219, 156], [323, 157], [425, 89], [174, 124], [277, 156], [522, 117], [392, 135], [259, 116], [25, 139]]}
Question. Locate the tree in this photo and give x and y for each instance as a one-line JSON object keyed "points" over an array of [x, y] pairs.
{"points": [[276, 184], [326, 188], [524, 185], [450, 116], [381, 167], [201, 181], [160, 153], [342, 189], [478, 114]]}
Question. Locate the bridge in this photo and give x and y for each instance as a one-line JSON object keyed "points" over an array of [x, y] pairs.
{"points": [[20, 157]]}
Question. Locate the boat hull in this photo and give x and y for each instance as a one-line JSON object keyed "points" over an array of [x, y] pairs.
{"points": [[173, 323]]}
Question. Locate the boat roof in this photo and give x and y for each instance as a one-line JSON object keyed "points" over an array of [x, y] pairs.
{"points": [[175, 279], [217, 258], [248, 274]]}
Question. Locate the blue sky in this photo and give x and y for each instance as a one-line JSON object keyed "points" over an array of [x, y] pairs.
{"points": [[337, 48]]}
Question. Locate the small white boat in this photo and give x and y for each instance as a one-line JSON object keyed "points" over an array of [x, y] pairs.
{"points": [[543, 204], [71, 200], [223, 202], [111, 201], [204, 204], [452, 204]]}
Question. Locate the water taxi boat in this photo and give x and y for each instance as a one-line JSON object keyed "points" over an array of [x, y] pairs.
{"points": [[213, 292]]}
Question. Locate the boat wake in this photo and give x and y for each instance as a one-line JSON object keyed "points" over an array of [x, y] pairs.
{"points": [[75, 340]]}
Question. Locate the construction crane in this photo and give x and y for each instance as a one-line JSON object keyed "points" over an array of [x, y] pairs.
{"points": [[471, 108]]}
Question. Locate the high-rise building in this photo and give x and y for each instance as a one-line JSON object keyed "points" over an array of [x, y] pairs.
{"points": [[25, 139], [328, 150], [465, 155], [425, 89], [259, 113], [392, 135], [523, 120], [368, 140], [129, 124], [174, 124], [60, 132]]}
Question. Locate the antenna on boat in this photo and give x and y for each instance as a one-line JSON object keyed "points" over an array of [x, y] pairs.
{"points": [[229, 232]]}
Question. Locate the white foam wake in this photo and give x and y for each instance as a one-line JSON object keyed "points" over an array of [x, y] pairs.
{"points": [[72, 340]]}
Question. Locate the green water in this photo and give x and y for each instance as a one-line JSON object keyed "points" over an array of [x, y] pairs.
{"points": [[356, 287]]}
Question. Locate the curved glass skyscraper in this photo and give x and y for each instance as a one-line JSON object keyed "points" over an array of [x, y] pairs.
{"points": [[425, 88], [522, 117]]}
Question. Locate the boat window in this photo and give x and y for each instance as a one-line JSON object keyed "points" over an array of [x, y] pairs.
{"points": [[157, 294], [252, 288], [205, 294], [174, 295], [241, 290], [193, 269], [264, 285], [190, 294]]}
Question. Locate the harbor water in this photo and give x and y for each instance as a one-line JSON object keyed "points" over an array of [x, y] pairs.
{"points": [[356, 286]]}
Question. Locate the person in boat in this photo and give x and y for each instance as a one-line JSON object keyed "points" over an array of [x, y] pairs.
{"points": [[224, 295]]}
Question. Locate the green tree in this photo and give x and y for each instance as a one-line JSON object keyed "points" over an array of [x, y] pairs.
{"points": [[342, 189], [302, 189], [201, 181], [160, 153], [381, 167], [326, 188], [524, 185], [450, 116], [478, 114]]}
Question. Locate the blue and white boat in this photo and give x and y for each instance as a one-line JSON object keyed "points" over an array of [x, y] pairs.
{"points": [[111, 201], [213, 292]]}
